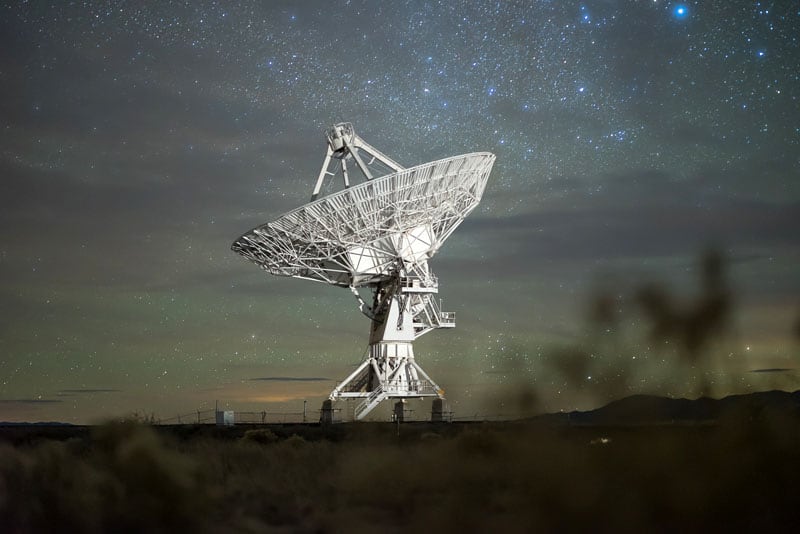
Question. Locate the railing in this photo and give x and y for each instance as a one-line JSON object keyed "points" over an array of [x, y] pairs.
{"points": [[355, 386], [448, 317], [417, 281], [420, 386], [443, 319]]}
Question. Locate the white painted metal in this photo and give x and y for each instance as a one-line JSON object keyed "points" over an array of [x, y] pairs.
{"points": [[343, 144], [378, 235]]}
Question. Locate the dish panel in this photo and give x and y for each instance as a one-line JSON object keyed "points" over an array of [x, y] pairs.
{"points": [[357, 236]]}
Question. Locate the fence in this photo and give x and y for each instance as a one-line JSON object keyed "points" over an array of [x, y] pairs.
{"points": [[208, 417]]}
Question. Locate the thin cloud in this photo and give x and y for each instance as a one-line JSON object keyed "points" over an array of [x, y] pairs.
{"points": [[84, 391], [291, 379], [773, 370]]}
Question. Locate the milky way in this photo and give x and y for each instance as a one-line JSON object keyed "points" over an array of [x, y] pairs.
{"points": [[139, 141]]}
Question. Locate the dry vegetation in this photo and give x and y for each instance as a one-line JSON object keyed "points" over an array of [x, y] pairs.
{"points": [[128, 477]]}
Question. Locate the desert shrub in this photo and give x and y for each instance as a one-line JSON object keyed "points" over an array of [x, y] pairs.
{"points": [[513, 477], [126, 480], [477, 441], [260, 435], [295, 442]]}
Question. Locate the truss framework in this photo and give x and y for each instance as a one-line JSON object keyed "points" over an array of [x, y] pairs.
{"points": [[377, 235]]}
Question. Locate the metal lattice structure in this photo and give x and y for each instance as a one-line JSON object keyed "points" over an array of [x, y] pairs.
{"points": [[377, 235]]}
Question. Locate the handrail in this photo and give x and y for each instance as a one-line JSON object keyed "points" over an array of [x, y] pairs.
{"points": [[421, 281], [439, 315], [364, 406]]}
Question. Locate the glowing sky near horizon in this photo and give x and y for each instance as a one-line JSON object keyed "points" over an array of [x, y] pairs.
{"points": [[139, 141]]}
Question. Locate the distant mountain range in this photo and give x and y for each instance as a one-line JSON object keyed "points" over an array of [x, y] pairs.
{"points": [[649, 409], [42, 423]]}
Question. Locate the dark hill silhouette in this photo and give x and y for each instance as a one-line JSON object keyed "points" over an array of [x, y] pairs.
{"points": [[650, 409], [38, 423], [633, 410]]}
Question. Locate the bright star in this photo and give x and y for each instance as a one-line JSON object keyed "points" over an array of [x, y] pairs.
{"points": [[680, 11]]}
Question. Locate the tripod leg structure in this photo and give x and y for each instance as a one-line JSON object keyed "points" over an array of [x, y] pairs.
{"points": [[390, 370]]}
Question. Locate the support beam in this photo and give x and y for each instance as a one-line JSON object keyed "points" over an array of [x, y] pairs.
{"points": [[322, 174], [343, 143]]}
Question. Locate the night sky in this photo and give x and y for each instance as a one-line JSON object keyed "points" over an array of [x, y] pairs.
{"points": [[139, 140]]}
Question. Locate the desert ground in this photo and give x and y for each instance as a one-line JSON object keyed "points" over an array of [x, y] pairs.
{"points": [[737, 470]]}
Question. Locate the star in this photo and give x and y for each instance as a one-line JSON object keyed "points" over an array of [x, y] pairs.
{"points": [[138, 143], [680, 11]]}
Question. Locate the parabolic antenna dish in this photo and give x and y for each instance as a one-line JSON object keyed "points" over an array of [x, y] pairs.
{"points": [[378, 235], [356, 237]]}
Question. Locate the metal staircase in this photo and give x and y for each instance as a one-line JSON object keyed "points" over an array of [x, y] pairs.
{"points": [[377, 396]]}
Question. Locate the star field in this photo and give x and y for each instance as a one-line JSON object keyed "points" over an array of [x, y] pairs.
{"points": [[139, 141]]}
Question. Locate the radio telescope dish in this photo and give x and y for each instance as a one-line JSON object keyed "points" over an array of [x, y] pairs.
{"points": [[378, 236]]}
